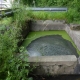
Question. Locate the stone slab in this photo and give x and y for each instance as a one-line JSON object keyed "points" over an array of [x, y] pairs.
{"points": [[75, 26], [75, 35], [41, 25], [54, 65]]}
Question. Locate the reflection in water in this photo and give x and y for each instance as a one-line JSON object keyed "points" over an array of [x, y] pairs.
{"points": [[51, 45]]}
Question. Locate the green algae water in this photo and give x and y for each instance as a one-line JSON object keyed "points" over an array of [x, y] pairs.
{"points": [[34, 35]]}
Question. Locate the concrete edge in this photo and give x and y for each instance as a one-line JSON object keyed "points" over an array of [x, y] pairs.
{"points": [[75, 36], [62, 58]]}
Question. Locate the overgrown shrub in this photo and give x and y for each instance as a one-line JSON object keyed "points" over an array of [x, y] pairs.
{"points": [[8, 47], [71, 16], [48, 3], [14, 66]]}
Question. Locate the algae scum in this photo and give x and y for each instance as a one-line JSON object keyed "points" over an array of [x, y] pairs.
{"points": [[48, 43]]}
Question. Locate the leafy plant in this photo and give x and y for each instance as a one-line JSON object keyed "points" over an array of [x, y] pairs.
{"points": [[72, 16], [14, 66], [8, 46], [18, 68], [49, 15]]}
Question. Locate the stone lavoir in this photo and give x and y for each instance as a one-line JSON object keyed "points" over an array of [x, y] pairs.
{"points": [[57, 52]]}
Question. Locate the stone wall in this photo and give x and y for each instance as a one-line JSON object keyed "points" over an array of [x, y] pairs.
{"points": [[54, 65], [75, 35], [41, 25]]}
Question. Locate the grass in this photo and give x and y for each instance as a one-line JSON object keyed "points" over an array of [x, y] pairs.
{"points": [[33, 35], [6, 21], [71, 16], [49, 15]]}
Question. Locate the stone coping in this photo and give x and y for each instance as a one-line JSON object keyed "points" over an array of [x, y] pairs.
{"points": [[42, 25], [53, 65], [75, 35], [58, 58]]}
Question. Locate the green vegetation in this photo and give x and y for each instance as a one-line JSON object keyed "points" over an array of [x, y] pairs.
{"points": [[72, 16], [6, 21], [48, 3], [52, 3], [68, 16], [13, 60], [12, 67]]}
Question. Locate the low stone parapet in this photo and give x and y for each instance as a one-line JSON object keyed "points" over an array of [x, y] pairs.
{"points": [[54, 65], [75, 35], [42, 25]]}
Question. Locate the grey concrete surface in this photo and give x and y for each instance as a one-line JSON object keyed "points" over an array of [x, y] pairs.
{"points": [[75, 35], [42, 25], [54, 65]]}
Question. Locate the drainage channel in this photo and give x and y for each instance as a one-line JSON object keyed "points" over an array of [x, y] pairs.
{"points": [[47, 9], [10, 12]]}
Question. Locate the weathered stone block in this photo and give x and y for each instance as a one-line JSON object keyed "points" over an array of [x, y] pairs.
{"points": [[41, 25], [75, 26], [54, 65]]}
